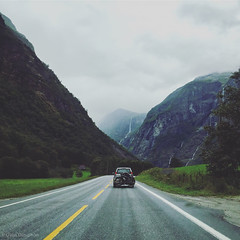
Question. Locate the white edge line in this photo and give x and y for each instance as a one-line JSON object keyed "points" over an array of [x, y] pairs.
{"points": [[201, 224], [47, 194]]}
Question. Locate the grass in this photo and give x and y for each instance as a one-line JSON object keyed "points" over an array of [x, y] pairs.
{"points": [[190, 180], [10, 188], [202, 168], [169, 187]]}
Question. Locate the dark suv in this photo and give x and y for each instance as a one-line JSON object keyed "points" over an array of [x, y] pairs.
{"points": [[123, 176]]}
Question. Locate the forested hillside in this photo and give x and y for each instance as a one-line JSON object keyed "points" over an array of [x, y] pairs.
{"points": [[44, 130]]}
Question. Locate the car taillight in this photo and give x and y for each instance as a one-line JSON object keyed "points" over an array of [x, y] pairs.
{"points": [[131, 173], [115, 173]]}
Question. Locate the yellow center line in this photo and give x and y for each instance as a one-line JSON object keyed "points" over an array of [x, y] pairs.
{"points": [[98, 194], [63, 225], [69, 220]]}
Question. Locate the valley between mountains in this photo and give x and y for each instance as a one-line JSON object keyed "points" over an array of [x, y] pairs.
{"points": [[174, 129]]}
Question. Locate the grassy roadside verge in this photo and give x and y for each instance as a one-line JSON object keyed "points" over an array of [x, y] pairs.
{"points": [[149, 180], [21, 187], [191, 181]]}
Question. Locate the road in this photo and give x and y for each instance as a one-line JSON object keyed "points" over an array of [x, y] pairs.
{"points": [[96, 210]]}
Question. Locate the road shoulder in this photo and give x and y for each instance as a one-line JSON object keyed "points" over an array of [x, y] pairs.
{"points": [[229, 205]]}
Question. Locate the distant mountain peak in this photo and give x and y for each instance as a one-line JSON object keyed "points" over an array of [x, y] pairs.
{"points": [[120, 123], [221, 77]]}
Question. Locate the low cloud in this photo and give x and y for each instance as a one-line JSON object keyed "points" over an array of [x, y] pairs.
{"points": [[129, 54], [221, 14]]}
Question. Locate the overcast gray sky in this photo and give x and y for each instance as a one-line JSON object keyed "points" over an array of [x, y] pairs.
{"points": [[129, 54]]}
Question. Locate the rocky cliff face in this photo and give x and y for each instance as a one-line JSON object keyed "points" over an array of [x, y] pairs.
{"points": [[174, 128], [120, 123]]}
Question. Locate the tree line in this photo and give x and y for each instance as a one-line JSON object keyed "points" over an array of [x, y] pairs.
{"points": [[222, 146]]}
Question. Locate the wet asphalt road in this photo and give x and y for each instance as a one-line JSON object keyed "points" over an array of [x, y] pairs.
{"points": [[96, 210]]}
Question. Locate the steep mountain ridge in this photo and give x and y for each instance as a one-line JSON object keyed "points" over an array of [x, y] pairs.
{"points": [[43, 128], [19, 35], [120, 123], [174, 128]]}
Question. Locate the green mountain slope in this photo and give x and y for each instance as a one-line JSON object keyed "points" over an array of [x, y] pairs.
{"points": [[44, 130]]}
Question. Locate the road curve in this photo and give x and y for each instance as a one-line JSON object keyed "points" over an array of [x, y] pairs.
{"points": [[96, 210]]}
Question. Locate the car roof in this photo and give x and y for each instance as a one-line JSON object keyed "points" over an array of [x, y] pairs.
{"points": [[123, 168]]}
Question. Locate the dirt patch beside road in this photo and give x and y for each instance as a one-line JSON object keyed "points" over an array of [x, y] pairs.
{"points": [[229, 205]]}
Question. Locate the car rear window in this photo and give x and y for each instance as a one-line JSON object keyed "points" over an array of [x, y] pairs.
{"points": [[123, 171]]}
